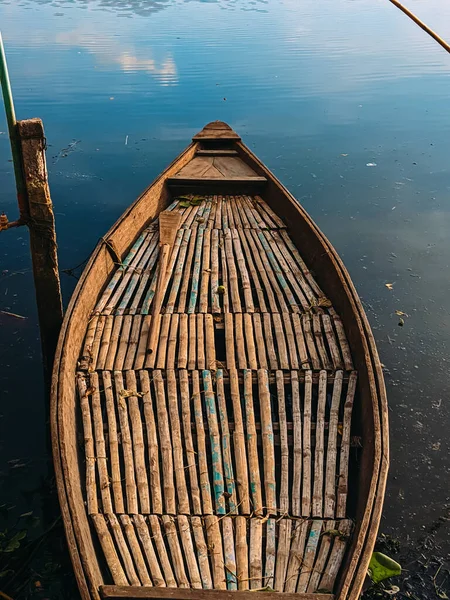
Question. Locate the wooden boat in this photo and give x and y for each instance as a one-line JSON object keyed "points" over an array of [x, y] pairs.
{"points": [[248, 449]]}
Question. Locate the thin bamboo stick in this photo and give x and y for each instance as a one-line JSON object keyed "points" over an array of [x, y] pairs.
{"points": [[331, 457], [236, 215], [209, 343], [284, 485], [127, 445], [252, 447], [172, 342], [116, 478], [262, 357], [241, 553], [202, 553], [301, 345], [91, 486], [179, 270], [123, 550], [241, 206], [186, 274], [267, 442], [216, 552], [309, 556], [345, 447], [123, 342], [218, 224], [109, 550], [336, 555], [149, 551], [229, 553], [165, 444], [250, 341], [215, 271], [306, 272], [142, 347], [267, 324], [96, 343], [225, 283], [138, 443], [295, 555], [206, 270], [253, 214], [254, 279], [200, 341], [269, 570], [214, 437], [189, 553], [229, 340], [183, 342], [245, 279], [281, 343], [317, 500], [226, 443], [284, 543], [290, 340], [152, 441], [196, 271], [104, 344], [346, 354], [189, 445], [273, 273], [240, 455], [136, 550], [161, 551], [100, 447], [175, 551], [224, 214], [133, 342], [332, 343], [161, 344], [201, 445], [326, 364], [240, 344], [192, 351], [255, 554], [261, 203], [109, 363], [261, 270], [151, 353], [230, 213], [177, 448], [326, 540], [307, 413], [306, 322], [212, 214], [297, 434]]}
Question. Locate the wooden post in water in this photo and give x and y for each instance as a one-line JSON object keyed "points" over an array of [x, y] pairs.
{"points": [[41, 224], [35, 210]]}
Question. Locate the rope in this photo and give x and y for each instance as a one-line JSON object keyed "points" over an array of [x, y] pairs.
{"points": [[421, 24]]}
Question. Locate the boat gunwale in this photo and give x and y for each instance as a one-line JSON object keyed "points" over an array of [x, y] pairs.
{"points": [[354, 570]]}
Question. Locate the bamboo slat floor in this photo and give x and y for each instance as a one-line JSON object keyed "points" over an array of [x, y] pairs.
{"points": [[221, 458]]}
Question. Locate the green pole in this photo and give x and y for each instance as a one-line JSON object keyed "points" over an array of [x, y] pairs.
{"points": [[13, 135]]}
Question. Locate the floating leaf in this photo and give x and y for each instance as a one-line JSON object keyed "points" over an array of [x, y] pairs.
{"points": [[14, 542], [381, 567], [394, 590], [390, 286], [400, 313], [401, 322]]}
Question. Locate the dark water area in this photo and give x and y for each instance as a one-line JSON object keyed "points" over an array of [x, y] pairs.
{"points": [[346, 101]]}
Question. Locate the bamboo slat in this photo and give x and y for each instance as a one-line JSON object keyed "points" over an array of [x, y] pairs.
{"points": [[229, 341], [188, 442], [225, 284], [183, 342], [267, 442], [196, 271], [317, 500], [229, 552], [273, 271], [269, 570], [202, 553], [252, 448], [295, 555], [281, 343], [271, 352], [177, 448], [309, 556], [261, 267], [179, 271], [250, 341], [149, 551], [284, 485], [242, 553], [245, 279], [307, 414], [306, 322], [326, 364], [331, 456], [188, 551], [348, 363], [326, 540], [335, 559], [175, 551], [165, 444], [123, 342], [152, 444], [172, 341], [216, 553], [161, 551], [201, 446], [297, 450], [127, 444], [104, 344], [151, 356], [255, 549], [187, 272], [215, 443], [133, 342], [254, 278], [135, 548], [205, 272], [113, 342], [138, 442], [284, 544], [116, 477], [226, 444], [109, 550], [240, 343], [290, 340], [91, 485], [301, 345], [163, 339], [142, 347], [342, 490], [215, 271], [123, 550], [262, 204], [192, 346], [260, 344], [240, 454], [332, 342]]}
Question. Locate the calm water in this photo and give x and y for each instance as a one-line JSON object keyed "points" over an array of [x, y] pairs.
{"points": [[318, 90]]}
